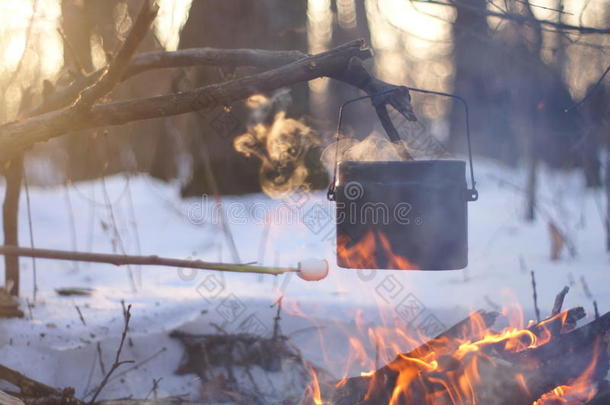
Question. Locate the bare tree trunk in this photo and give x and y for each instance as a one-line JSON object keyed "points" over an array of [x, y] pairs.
{"points": [[10, 212], [608, 202], [532, 177]]}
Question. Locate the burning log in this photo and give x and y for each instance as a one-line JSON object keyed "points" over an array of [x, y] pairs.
{"points": [[354, 390], [546, 364]]}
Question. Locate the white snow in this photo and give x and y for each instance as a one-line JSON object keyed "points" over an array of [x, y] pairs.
{"points": [[54, 346]]}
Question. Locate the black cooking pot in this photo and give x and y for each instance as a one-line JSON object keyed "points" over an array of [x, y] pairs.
{"points": [[402, 215], [409, 215]]}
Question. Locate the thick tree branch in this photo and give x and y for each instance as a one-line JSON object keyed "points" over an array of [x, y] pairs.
{"points": [[19, 135], [174, 59]]}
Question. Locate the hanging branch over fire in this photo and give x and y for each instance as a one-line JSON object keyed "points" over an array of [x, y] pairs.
{"points": [[337, 63]]}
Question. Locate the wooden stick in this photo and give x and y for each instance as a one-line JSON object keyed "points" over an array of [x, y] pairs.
{"points": [[153, 260], [535, 296], [28, 386], [558, 304]]}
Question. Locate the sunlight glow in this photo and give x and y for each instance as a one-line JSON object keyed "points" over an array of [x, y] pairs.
{"points": [[170, 20], [41, 58], [319, 35]]}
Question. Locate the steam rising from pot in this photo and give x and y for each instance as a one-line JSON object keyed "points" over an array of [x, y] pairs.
{"points": [[376, 147]]}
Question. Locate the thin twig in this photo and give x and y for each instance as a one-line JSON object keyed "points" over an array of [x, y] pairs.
{"points": [[113, 222], [153, 390], [101, 358], [69, 47], [71, 221], [80, 315], [31, 229], [134, 225], [117, 359], [277, 319], [134, 367], [211, 180], [535, 296]]}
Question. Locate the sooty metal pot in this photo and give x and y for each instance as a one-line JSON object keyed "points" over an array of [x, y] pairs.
{"points": [[402, 215]]}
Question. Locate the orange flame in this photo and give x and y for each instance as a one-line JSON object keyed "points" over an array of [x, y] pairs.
{"points": [[578, 391], [362, 255], [448, 370], [314, 386]]}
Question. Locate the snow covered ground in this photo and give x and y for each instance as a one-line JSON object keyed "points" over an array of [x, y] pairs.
{"points": [[148, 217]]}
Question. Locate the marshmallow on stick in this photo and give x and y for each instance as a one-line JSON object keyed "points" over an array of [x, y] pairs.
{"points": [[309, 269], [313, 269]]}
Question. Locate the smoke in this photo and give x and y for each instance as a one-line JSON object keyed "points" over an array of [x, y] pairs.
{"points": [[279, 142]]}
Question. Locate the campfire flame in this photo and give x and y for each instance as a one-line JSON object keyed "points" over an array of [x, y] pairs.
{"points": [[314, 387], [450, 369], [579, 391]]}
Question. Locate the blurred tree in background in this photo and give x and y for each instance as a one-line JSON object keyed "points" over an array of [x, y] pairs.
{"points": [[518, 72]]}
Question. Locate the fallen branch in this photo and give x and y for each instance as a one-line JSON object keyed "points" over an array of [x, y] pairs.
{"points": [[28, 386], [33, 392], [160, 401]]}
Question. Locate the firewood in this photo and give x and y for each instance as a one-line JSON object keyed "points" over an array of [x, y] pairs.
{"points": [[353, 390], [28, 386], [36, 393], [7, 399], [501, 376]]}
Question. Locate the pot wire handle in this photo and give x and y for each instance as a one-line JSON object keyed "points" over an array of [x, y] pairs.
{"points": [[330, 194], [473, 194]]}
